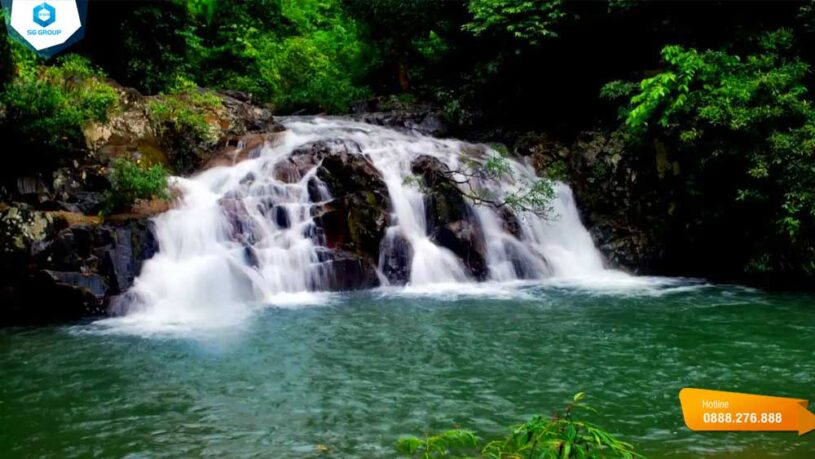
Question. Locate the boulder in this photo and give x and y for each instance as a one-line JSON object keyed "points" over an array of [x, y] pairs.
{"points": [[451, 223], [396, 256], [308, 156], [64, 266], [344, 271], [356, 218]]}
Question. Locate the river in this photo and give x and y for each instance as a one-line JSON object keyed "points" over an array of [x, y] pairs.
{"points": [[358, 370]]}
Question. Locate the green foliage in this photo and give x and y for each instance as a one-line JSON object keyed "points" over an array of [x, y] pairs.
{"points": [[130, 181], [561, 436], [533, 196], [529, 21], [438, 445], [746, 124], [558, 170], [47, 106], [306, 54], [180, 119]]}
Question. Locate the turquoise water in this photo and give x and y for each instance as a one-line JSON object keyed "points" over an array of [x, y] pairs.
{"points": [[362, 369]]}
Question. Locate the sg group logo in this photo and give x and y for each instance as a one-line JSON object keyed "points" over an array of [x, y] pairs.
{"points": [[46, 26]]}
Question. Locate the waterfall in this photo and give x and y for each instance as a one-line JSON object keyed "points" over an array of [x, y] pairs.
{"points": [[245, 235]]}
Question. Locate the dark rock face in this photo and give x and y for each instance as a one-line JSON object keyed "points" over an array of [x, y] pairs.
{"points": [[425, 122], [306, 157], [396, 256], [420, 118], [355, 219], [617, 195], [53, 271], [350, 211], [343, 271], [450, 221]]}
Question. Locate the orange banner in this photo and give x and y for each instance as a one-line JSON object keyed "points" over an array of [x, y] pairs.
{"points": [[717, 410]]}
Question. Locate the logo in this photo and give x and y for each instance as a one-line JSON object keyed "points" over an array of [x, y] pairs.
{"points": [[46, 26], [45, 15]]}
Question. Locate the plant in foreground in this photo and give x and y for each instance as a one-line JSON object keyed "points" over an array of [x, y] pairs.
{"points": [[560, 436]]}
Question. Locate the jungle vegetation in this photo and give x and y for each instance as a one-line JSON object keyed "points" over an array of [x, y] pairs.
{"points": [[723, 88]]}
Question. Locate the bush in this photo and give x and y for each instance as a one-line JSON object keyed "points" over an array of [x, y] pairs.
{"points": [[180, 119], [131, 181], [47, 106], [559, 436]]}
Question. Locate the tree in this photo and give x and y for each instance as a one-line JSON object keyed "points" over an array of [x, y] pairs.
{"points": [[742, 129], [528, 21]]}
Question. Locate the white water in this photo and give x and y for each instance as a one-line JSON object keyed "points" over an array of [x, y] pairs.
{"points": [[210, 272]]}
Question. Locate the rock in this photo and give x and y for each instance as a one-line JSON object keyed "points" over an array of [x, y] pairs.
{"points": [[243, 116], [243, 226], [92, 283], [425, 121], [393, 113], [70, 269], [355, 219], [343, 271], [306, 157], [52, 296], [135, 133], [240, 148], [396, 256], [510, 222], [281, 217], [127, 246], [355, 222], [450, 221], [23, 229]]}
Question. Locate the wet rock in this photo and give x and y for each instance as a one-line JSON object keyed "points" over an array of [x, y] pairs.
{"points": [[396, 256], [343, 271], [356, 218], [399, 115], [355, 222], [242, 225], [281, 217], [91, 282], [451, 223], [70, 270], [240, 148], [308, 156], [126, 247], [510, 222]]}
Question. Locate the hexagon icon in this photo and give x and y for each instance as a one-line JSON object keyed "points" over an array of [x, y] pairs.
{"points": [[45, 15], [45, 24]]}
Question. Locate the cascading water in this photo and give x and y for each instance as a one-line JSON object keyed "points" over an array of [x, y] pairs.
{"points": [[211, 264]]}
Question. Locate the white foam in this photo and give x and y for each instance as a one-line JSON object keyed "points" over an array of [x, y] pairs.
{"points": [[209, 273]]}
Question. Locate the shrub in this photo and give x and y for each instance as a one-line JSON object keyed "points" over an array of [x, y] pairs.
{"points": [[131, 181], [559, 436], [180, 119], [47, 106]]}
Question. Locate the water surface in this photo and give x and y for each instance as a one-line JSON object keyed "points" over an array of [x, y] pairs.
{"points": [[358, 371]]}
